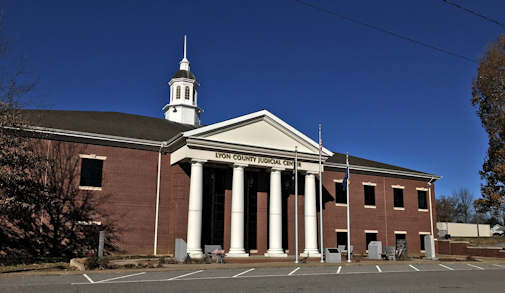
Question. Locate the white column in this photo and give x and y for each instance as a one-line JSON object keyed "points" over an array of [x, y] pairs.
{"points": [[237, 213], [195, 210], [310, 217], [275, 216]]}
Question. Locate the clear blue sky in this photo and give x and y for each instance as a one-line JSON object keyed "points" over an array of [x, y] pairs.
{"points": [[377, 96]]}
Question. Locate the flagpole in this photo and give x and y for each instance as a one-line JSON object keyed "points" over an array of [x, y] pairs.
{"points": [[321, 194], [348, 220], [296, 204]]}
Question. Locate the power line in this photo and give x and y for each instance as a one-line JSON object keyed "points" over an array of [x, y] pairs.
{"points": [[479, 15], [387, 32]]}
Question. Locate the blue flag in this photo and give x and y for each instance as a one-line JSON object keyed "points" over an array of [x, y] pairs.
{"points": [[344, 183]]}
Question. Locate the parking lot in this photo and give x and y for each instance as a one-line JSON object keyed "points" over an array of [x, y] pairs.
{"points": [[169, 276]]}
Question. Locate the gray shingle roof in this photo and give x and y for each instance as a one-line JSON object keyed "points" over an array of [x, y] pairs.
{"points": [[108, 123], [155, 129], [355, 161]]}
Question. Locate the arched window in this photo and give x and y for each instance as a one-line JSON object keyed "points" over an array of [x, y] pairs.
{"points": [[194, 95], [178, 96], [186, 96]]}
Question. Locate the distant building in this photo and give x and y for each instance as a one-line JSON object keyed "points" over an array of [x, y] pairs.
{"points": [[463, 230], [231, 183]]}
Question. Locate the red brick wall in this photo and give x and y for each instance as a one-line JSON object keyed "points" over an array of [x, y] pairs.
{"points": [[383, 218], [462, 248], [130, 176]]}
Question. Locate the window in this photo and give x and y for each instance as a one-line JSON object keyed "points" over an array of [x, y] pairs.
{"points": [[401, 242], [398, 197], [194, 95], [340, 195], [422, 241], [342, 239], [178, 95], [186, 94], [370, 237], [91, 172], [421, 199], [369, 195]]}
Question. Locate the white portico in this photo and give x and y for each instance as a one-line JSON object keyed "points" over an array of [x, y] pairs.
{"points": [[257, 142]]}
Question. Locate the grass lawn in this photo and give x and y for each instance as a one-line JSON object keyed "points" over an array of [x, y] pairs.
{"points": [[483, 240], [12, 265]]}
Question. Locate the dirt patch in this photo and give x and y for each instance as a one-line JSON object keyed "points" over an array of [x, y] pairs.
{"points": [[41, 267], [484, 241]]}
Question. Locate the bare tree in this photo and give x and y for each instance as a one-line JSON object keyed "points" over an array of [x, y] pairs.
{"points": [[40, 200], [465, 207], [447, 208]]}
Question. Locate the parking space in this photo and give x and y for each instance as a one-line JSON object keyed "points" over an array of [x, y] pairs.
{"points": [[430, 268], [277, 272], [317, 270], [458, 267], [396, 268], [358, 269], [269, 272], [216, 274]]}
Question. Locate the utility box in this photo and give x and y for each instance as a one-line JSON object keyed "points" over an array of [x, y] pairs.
{"points": [[375, 250], [181, 250], [333, 255], [429, 247]]}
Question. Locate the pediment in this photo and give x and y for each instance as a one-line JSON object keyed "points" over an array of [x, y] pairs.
{"points": [[260, 129]]}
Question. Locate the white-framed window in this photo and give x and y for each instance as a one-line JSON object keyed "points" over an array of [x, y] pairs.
{"points": [[421, 238], [398, 198], [340, 195], [186, 93], [91, 172], [369, 189]]}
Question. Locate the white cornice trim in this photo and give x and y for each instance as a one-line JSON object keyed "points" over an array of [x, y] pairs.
{"points": [[208, 144], [95, 136], [382, 170]]}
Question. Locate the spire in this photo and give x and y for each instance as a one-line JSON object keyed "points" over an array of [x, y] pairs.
{"points": [[184, 62]]}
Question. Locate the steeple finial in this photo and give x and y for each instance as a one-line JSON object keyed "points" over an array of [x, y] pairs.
{"points": [[184, 46], [184, 63]]}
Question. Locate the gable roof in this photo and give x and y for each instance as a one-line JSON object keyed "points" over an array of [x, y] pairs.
{"points": [[143, 128], [107, 123]]}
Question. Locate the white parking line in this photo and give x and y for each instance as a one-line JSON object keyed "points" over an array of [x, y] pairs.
{"points": [[414, 267], [243, 273], [339, 268], [379, 269], [446, 267], [294, 271], [89, 279], [475, 266], [499, 266], [122, 277], [175, 278]]}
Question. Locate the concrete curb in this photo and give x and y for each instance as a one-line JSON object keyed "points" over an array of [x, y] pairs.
{"points": [[75, 264]]}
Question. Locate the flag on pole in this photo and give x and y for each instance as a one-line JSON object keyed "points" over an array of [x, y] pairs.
{"points": [[346, 177], [320, 144], [321, 194], [344, 183]]}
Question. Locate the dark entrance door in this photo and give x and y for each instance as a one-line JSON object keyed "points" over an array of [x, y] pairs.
{"points": [[250, 210], [214, 186]]}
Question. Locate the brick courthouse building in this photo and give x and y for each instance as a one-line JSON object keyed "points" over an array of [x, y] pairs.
{"points": [[231, 183]]}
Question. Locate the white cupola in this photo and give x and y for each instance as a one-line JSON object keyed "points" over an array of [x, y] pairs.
{"points": [[183, 105]]}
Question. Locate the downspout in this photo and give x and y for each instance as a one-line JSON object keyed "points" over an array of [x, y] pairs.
{"points": [[157, 200], [431, 207]]}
